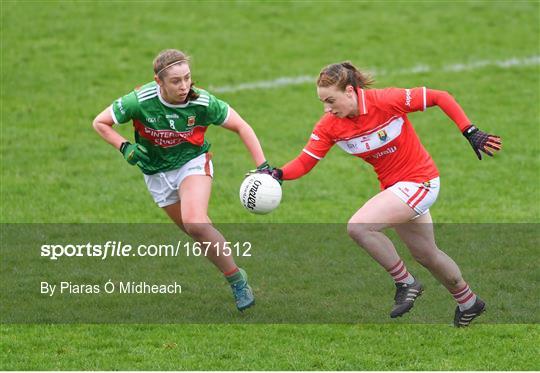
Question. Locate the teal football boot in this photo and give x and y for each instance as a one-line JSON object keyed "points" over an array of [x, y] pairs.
{"points": [[243, 295]]}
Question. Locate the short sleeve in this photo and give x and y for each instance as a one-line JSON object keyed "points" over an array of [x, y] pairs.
{"points": [[402, 100], [319, 143], [124, 108], [217, 111]]}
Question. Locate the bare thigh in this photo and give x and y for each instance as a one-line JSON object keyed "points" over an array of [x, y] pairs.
{"points": [[418, 235], [175, 214], [383, 210], [194, 198], [194, 193]]}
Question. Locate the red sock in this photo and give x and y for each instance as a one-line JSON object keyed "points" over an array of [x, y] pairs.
{"points": [[231, 272], [400, 274], [464, 297]]}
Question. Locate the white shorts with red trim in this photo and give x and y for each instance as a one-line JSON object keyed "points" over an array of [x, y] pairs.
{"points": [[163, 186], [418, 196]]}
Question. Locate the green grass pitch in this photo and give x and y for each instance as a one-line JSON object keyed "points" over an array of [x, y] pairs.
{"points": [[63, 62]]}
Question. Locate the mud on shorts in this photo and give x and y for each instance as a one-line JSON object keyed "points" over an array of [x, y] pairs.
{"points": [[418, 196], [163, 186]]}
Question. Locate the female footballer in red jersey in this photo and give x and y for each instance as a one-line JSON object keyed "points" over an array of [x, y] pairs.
{"points": [[170, 117], [372, 124]]}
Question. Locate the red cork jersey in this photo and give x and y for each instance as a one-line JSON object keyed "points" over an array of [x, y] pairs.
{"points": [[381, 135]]}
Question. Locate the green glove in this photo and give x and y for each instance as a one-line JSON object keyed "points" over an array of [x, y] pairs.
{"points": [[260, 169], [134, 153], [265, 168]]}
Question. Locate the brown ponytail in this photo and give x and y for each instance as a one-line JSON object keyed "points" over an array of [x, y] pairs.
{"points": [[343, 74]]}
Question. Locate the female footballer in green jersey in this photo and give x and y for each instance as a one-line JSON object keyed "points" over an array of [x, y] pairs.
{"points": [[170, 117]]}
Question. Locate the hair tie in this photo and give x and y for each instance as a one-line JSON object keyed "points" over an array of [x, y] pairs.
{"points": [[169, 65]]}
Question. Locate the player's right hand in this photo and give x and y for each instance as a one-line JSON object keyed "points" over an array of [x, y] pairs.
{"points": [[276, 173], [134, 153], [265, 168], [482, 141]]}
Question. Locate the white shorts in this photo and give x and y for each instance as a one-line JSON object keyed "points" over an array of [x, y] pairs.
{"points": [[418, 196], [163, 186]]}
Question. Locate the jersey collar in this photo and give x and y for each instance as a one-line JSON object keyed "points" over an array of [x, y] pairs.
{"points": [[361, 101], [168, 104]]}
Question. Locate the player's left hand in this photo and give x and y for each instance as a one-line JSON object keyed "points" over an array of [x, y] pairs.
{"points": [[482, 141]]}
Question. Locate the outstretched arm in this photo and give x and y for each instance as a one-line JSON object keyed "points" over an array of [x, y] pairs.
{"points": [[318, 145], [298, 167], [236, 124], [295, 169]]}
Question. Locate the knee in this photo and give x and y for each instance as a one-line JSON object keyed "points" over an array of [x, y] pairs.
{"points": [[354, 229], [427, 259], [195, 226], [426, 253], [195, 230], [358, 230]]}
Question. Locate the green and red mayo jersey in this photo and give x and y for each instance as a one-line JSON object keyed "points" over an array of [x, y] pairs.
{"points": [[172, 134], [382, 134]]}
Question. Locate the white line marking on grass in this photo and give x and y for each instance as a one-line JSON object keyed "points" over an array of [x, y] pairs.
{"points": [[418, 69], [279, 82]]}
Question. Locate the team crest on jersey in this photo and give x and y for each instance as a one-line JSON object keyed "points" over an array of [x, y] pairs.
{"points": [[382, 135], [191, 121]]}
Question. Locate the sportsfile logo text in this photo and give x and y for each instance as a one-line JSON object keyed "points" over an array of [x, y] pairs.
{"points": [[113, 249], [110, 248]]}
